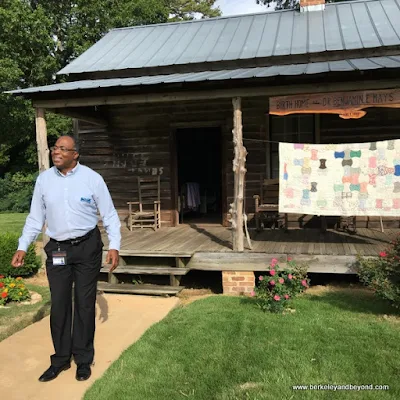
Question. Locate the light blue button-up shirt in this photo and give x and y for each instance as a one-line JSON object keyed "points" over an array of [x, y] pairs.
{"points": [[69, 204]]}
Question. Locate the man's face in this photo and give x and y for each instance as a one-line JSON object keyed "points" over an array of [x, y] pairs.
{"points": [[64, 156]]}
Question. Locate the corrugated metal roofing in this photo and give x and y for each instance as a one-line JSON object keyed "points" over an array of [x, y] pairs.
{"points": [[341, 26], [361, 64]]}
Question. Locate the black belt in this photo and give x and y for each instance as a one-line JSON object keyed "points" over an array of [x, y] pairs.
{"points": [[77, 240]]}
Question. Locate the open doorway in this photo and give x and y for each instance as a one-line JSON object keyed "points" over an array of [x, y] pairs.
{"points": [[199, 175]]}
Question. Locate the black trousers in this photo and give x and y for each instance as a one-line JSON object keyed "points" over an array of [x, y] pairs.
{"points": [[83, 266]]}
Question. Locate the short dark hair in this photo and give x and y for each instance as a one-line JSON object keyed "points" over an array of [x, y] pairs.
{"points": [[76, 142]]}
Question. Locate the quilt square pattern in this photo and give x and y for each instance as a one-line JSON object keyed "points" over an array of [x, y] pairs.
{"points": [[340, 179]]}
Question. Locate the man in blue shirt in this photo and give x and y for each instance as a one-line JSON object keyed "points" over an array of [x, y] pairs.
{"points": [[67, 197]]}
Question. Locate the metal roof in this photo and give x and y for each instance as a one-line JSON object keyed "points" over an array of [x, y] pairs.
{"points": [[341, 26], [361, 64]]}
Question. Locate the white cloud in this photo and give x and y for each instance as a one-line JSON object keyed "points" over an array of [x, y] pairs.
{"points": [[236, 7]]}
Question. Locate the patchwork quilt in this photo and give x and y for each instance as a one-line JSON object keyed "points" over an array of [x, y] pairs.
{"points": [[340, 179]]}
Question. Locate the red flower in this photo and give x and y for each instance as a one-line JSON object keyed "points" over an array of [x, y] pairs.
{"points": [[304, 283], [277, 298], [272, 283], [287, 296], [272, 272], [4, 295], [1, 276], [383, 254], [1, 284], [290, 277], [289, 258], [281, 280]]}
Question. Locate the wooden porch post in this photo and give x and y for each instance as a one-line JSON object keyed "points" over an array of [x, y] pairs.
{"points": [[41, 140], [43, 158], [239, 169]]}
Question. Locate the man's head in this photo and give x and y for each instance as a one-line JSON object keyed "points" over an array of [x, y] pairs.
{"points": [[65, 153]]}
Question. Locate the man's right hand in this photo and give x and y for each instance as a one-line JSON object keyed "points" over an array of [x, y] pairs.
{"points": [[18, 259]]}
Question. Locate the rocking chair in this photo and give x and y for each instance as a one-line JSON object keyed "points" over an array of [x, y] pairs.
{"points": [[147, 212]]}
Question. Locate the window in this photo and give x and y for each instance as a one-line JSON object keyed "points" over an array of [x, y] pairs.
{"points": [[290, 129]]}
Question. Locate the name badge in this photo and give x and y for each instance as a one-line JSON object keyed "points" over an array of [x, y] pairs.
{"points": [[59, 257]]}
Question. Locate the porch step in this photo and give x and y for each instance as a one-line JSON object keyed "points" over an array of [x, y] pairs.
{"points": [[156, 290], [231, 261], [131, 269]]}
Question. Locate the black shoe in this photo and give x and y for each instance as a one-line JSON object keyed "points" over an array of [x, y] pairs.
{"points": [[53, 372], [83, 372]]}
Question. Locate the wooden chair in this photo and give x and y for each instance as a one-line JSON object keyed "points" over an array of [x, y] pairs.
{"points": [[267, 205], [148, 210]]}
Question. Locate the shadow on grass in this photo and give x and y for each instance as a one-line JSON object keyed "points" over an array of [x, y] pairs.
{"points": [[42, 312], [355, 300]]}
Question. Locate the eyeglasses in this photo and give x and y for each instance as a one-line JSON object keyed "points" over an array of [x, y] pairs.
{"points": [[61, 148]]}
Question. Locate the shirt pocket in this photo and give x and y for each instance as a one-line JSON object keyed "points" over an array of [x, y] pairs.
{"points": [[85, 202]]}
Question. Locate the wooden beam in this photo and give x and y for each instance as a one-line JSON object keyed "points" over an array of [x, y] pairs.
{"points": [[91, 117], [43, 161], [239, 169], [217, 94], [41, 140]]}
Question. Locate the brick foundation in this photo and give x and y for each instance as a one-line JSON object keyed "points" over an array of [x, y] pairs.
{"points": [[237, 283]]}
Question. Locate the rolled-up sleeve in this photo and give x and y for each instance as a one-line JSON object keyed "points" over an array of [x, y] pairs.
{"points": [[35, 220], [109, 215]]}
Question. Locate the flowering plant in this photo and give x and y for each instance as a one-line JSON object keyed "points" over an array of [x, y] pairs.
{"points": [[276, 289], [13, 289], [382, 273]]}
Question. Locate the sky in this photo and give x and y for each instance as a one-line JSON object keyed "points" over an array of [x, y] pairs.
{"points": [[235, 7]]}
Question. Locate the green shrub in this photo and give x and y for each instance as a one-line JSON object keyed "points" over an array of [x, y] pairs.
{"points": [[16, 192], [13, 289], [8, 246], [382, 274], [276, 289]]}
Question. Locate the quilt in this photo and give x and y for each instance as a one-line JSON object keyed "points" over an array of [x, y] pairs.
{"points": [[340, 179]]}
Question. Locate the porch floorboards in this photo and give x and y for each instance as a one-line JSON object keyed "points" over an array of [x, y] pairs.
{"points": [[186, 240]]}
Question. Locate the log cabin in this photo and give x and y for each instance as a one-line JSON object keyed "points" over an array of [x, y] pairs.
{"points": [[203, 105]]}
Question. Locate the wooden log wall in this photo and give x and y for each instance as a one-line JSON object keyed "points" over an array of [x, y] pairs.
{"points": [[139, 141]]}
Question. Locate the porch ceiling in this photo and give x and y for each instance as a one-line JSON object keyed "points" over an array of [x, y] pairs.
{"points": [[359, 64]]}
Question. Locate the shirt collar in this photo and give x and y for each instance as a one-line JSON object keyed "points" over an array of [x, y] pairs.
{"points": [[72, 172]]}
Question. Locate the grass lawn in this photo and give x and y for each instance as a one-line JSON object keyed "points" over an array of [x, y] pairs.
{"points": [[224, 348], [12, 222], [16, 317]]}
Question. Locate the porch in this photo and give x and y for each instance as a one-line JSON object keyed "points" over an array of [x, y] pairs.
{"points": [[175, 251], [186, 240]]}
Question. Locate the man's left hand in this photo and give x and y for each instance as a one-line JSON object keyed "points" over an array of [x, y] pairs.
{"points": [[113, 259]]}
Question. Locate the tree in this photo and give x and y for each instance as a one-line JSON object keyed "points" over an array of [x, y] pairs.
{"points": [[288, 4], [190, 9], [39, 37], [25, 60]]}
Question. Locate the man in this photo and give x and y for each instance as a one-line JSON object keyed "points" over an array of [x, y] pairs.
{"points": [[67, 197]]}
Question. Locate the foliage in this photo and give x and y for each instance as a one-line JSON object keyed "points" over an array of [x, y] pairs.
{"points": [[288, 4], [276, 289], [16, 192], [8, 246], [12, 289], [39, 37], [16, 316], [189, 9], [26, 59], [382, 274]]}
